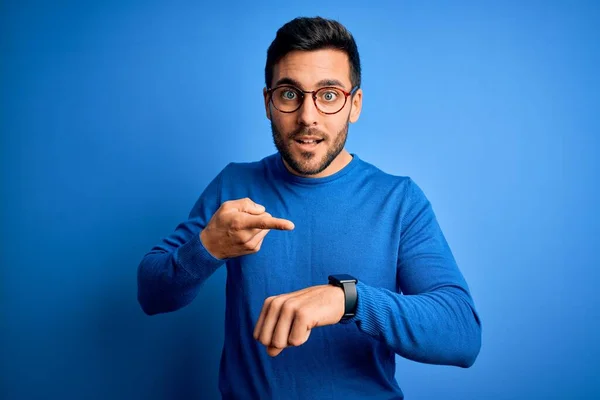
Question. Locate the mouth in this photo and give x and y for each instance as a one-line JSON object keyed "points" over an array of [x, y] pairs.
{"points": [[307, 144]]}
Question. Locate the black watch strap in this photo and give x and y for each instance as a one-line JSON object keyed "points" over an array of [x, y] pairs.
{"points": [[348, 285]]}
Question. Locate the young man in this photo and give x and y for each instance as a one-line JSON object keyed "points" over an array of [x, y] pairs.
{"points": [[333, 266]]}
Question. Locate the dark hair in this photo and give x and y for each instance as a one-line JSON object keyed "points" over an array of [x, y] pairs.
{"points": [[312, 34]]}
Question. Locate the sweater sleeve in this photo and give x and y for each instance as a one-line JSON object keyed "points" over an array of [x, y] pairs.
{"points": [[171, 273], [434, 319]]}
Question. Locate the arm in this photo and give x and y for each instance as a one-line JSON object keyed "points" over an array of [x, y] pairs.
{"points": [[170, 275], [434, 320]]}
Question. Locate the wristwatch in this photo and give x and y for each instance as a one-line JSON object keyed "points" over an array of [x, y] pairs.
{"points": [[348, 284]]}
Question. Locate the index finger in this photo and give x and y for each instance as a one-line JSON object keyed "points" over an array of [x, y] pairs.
{"points": [[268, 222]]}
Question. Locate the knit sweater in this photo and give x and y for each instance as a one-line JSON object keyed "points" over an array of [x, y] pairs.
{"points": [[412, 299]]}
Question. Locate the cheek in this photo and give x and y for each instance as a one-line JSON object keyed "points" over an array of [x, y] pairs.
{"points": [[283, 122], [334, 125]]}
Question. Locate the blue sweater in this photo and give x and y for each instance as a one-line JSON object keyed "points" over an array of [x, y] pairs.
{"points": [[412, 298]]}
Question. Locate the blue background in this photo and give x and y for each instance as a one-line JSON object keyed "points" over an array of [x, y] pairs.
{"points": [[115, 115]]}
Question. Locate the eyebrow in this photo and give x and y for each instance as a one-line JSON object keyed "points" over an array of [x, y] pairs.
{"points": [[321, 83]]}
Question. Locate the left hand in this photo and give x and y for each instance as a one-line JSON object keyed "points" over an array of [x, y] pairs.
{"points": [[287, 319]]}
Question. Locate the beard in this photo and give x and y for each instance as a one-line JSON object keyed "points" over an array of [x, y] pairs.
{"points": [[302, 165]]}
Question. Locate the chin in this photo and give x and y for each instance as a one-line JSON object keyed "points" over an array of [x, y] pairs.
{"points": [[313, 166]]}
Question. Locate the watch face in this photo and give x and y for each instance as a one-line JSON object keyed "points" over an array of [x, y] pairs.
{"points": [[343, 278]]}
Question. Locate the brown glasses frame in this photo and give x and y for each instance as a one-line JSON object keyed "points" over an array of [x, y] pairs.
{"points": [[314, 97]]}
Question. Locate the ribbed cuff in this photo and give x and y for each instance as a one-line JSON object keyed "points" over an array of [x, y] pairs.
{"points": [[371, 309], [195, 259]]}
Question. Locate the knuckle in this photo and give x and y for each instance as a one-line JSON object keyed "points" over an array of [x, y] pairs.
{"points": [[277, 302], [235, 224], [231, 235], [278, 344], [289, 307], [302, 315]]}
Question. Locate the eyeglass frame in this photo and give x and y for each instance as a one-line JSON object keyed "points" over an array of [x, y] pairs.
{"points": [[314, 97]]}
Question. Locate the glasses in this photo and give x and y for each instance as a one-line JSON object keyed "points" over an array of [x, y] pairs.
{"points": [[328, 100]]}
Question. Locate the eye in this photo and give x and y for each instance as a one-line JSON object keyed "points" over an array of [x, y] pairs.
{"points": [[329, 95], [288, 94]]}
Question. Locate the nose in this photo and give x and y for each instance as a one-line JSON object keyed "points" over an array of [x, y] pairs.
{"points": [[308, 113]]}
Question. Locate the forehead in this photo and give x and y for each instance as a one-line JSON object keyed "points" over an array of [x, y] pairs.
{"points": [[310, 67]]}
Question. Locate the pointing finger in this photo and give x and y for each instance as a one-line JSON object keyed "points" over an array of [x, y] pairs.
{"points": [[268, 222]]}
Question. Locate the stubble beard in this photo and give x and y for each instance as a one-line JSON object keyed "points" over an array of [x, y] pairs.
{"points": [[301, 166]]}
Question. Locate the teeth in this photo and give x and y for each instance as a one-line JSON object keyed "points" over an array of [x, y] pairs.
{"points": [[307, 141]]}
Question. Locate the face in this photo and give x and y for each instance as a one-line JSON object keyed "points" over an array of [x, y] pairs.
{"points": [[311, 70]]}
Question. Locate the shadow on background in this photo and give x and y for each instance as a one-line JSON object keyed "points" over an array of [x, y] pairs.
{"points": [[87, 337], [174, 355]]}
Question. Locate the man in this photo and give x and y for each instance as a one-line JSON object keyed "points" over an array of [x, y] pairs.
{"points": [[333, 266]]}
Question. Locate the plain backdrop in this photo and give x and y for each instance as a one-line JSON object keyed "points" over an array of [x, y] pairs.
{"points": [[115, 115]]}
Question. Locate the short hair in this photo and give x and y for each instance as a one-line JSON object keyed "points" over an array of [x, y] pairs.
{"points": [[313, 34]]}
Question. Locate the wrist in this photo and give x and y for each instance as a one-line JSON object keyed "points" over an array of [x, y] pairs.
{"points": [[348, 285], [206, 243]]}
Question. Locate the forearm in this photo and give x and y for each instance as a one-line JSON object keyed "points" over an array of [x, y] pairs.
{"points": [[170, 279], [437, 327]]}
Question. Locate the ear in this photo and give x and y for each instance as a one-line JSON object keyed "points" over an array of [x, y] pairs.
{"points": [[266, 98], [356, 106]]}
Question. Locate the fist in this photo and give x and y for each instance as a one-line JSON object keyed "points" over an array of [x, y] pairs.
{"points": [[287, 320], [238, 228]]}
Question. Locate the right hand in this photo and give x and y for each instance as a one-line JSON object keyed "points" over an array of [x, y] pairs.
{"points": [[238, 228]]}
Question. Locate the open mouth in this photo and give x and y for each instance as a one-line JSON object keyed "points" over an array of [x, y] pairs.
{"points": [[309, 142]]}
